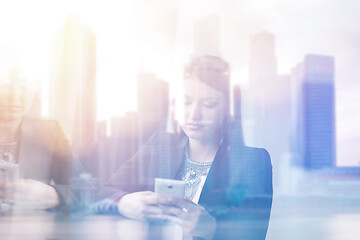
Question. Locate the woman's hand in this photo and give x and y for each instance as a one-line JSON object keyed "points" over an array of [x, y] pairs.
{"points": [[143, 206], [193, 218], [28, 193]]}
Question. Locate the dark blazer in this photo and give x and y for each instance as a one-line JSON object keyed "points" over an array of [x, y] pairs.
{"points": [[45, 155], [237, 191]]}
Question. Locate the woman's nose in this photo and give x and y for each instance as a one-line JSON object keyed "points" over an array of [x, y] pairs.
{"points": [[15, 92], [195, 113]]}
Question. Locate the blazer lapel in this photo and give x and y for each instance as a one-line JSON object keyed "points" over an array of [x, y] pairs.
{"points": [[217, 179], [34, 156]]}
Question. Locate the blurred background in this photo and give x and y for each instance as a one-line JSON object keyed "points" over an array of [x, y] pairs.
{"points": [[110, 71]]}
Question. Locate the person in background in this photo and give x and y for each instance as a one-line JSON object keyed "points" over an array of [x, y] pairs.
{"points": [[228, 186], [35, 156]]}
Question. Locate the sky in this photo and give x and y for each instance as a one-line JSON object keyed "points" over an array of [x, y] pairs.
{"points": [[151, 34]]}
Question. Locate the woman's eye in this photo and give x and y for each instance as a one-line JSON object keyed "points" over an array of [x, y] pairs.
{"points": [[210, 104]]}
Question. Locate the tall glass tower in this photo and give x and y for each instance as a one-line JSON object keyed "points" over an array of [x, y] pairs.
{"points": [[315, 113]]}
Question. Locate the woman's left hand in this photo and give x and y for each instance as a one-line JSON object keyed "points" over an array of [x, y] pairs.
{"points": [[193, 218], [33, 194]]}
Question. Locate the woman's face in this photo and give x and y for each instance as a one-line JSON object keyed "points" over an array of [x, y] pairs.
{"points": [[204, 111], [15, 100]]}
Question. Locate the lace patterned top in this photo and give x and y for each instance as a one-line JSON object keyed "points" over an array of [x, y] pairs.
{"points": [[194, 175], [8, 152]]}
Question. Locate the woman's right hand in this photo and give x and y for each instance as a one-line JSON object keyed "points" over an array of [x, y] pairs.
{"points": [[28, 193], [143, 205]]}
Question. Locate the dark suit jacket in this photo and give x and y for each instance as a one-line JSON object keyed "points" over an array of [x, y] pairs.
{"points": [[237, 191], [45, 155]]}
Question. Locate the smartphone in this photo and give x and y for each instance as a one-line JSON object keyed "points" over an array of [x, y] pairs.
{"points": [[169, 187]]}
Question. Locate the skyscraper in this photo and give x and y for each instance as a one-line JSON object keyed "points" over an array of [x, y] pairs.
{"points": [[262, 76], [153, 104], [72, 82], [268, 98], [314, 126], [237, 102], [267, 112], [263, 63]]}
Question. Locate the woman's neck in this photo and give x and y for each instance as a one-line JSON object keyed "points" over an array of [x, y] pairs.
{"points": [[9, 131], [203, 151]]}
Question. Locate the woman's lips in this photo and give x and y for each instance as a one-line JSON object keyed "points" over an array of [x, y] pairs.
{"points": [[12, 108], [194, 126]]}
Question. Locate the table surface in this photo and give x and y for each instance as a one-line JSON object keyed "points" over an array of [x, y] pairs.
{"points": [[48, 225], [289, 220]]}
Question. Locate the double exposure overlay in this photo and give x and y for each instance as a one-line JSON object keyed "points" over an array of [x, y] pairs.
{"points": [[203, 119]]}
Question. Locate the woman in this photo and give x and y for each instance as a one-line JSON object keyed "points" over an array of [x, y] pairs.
{"points": [[34, 154], [228, 185]]}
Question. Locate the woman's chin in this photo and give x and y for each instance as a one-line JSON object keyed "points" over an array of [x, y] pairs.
{"points": [[11, 117], [195, 135]]}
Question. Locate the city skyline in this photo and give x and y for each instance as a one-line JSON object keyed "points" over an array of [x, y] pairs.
{"points": [[330, 31], [294, 39]]}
